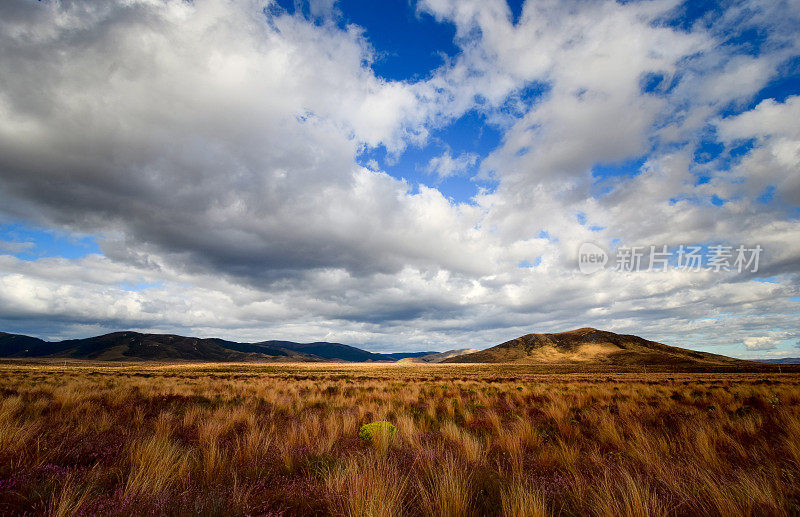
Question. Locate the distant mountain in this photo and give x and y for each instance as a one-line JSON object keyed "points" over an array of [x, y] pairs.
{"points": [[119, 346], [12, 345], [133, 345], [329, 351], [406, 355], [437, 357], [592, 347], [782, 360]]}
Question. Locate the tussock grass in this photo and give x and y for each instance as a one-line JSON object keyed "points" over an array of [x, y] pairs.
{"points": [[518, 500], [157, 464], [367, 486], [265, 439]]}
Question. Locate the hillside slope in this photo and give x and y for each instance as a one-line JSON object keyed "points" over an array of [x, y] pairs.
{"points": [[17, 345], [592, 347]]}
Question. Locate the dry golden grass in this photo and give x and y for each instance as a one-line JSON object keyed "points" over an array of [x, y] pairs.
{"points": [[486, 440]]}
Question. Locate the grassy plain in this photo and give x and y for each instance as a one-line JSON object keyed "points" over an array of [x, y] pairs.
{"points": [[282, 439]]}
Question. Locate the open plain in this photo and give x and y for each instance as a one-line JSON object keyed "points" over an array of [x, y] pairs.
{"points": [[82, 438]]}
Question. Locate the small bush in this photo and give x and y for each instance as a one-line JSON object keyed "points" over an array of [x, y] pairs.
{"points": [[369, 432]]}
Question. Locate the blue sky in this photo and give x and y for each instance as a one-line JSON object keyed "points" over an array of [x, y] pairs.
{"points": [[303, 163]]}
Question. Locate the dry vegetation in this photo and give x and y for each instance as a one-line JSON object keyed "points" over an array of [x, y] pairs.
{"points": [[257, 439]]}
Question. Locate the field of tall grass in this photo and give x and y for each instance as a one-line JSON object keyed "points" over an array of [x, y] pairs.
{"points": [[284, 440]]}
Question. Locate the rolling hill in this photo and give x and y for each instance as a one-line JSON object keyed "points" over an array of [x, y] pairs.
{"points": [[590, 346], [328, 351], [437, 357], [118, 346], [133, 345]]}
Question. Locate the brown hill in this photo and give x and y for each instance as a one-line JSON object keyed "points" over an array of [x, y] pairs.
{"points": [[590, 346]]}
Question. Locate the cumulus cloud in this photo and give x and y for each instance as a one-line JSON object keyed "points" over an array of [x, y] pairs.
{"points": [[762, 343], [213, 146], [207, 132]]}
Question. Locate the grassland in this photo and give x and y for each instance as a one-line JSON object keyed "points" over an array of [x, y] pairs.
{"points": [[249, 439]]}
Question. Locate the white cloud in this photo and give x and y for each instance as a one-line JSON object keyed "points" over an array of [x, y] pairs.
{"points": [[775, 158], [15, 246], [213, 135], [447, 165], [762, 342]]}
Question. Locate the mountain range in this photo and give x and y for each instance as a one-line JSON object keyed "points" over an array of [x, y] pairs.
{"points": [[782, 360], [585, 346], [119, 346], [592, 346]]}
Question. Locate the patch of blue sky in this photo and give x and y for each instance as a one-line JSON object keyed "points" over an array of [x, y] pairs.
{"points": [[712, 157], [708, 149], [468, 134], [658, 83], [650, 82], [47, 242], [741, 148], [141, 286], [749, 41], [767, 195], [527, 264], [785, 82], [627, 168], [768, 280], [605, 176], [716, 317], [713, 199], [522, 100], [691, 12], [516, 9], [742, 37], [459, 189], [408, 45], [544, 234], [795, 299]]}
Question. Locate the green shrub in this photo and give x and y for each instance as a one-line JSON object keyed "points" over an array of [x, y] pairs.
{"points": [[368, 432]]}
